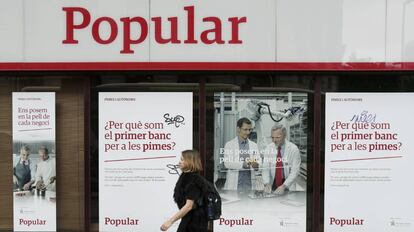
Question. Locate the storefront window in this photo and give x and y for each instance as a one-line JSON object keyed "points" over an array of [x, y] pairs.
{"points": [[219, 100]]}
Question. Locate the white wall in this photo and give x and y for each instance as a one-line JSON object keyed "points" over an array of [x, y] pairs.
{"points": [[275, 31]]}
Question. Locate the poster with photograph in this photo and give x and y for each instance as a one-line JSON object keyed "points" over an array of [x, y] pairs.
{"points": [[141, 136], [34, 165], [368, 159], [260, 161]]}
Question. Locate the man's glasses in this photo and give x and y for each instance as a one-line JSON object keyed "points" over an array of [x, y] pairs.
{"points": [[246, 129]]}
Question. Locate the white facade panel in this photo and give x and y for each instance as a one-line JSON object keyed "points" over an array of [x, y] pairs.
{"points": [[309, 31], [395, 30], [11, 32], [257, 34], [400, 33], [363, 30], [400, 36], [407, 41], [338, 31], [330, 31], [46, 25]]}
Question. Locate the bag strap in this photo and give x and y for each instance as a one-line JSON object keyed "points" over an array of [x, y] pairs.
{"points": [[200, 182]]}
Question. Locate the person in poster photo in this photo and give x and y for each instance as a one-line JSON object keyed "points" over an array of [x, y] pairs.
{"points": [[241, 158], [46, 171], [281, 163], [24, 170]]}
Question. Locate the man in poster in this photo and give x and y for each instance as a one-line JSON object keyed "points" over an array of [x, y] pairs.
{"points": [[46, 171], [241, 158], [24, 169], [281, 162]]}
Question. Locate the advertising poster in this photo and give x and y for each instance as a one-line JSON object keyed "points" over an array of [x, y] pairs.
{"points": [[260, 161], [34, 165], [141, 136], [368, 162]]}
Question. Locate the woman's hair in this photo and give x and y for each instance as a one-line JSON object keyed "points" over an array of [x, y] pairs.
{"points": [[193, 160]]}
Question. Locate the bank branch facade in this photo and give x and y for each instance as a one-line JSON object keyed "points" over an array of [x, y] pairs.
{"points": [[99, 98]]}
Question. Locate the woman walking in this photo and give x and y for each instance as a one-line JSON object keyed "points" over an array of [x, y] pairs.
{"points": [[186, 194]]}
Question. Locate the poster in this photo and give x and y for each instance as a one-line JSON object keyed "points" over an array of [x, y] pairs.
{"points": [[368, 162], [34, 165], [262, 188], [141, 136]]}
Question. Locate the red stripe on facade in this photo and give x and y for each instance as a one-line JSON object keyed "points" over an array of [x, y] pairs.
{"points": [[211, 66]]}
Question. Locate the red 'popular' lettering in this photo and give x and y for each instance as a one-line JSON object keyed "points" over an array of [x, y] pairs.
{"points": [[235, 22], [236, 222], [113, 32], [127, 33], [213, 35], [31, 222], [158, 31], [121, 221], [346, 222], [216, 31], [70, 22]]}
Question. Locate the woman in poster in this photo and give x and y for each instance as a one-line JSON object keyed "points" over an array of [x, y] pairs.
{"points": [[185, 193]]}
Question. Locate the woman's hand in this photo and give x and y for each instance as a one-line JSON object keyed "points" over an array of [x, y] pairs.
{"points": [[166, 225], [180, 214]]}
